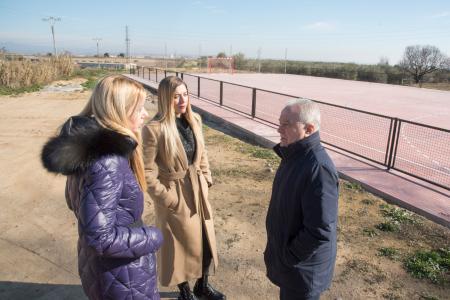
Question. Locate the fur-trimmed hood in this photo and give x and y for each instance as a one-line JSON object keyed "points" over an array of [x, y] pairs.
{"points": [[81, 142]]}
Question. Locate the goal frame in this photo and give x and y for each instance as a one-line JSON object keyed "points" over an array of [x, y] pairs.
{"points": [[224, 64]]}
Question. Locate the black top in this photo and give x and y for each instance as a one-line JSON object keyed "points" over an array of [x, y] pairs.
{"points": [[187, 138]]}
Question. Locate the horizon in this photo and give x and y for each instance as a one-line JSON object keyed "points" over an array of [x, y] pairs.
{"points": [[325, 31]]}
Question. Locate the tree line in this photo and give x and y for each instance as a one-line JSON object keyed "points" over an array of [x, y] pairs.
{"points": [[419, 64]]}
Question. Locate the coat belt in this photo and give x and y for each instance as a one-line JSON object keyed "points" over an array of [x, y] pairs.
{"points": [[194, 173]]}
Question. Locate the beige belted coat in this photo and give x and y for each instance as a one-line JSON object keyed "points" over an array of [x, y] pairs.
{"points": [[180, 195]]}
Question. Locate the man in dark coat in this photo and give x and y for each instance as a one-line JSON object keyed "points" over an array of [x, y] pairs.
{"points": [[302, 216]]}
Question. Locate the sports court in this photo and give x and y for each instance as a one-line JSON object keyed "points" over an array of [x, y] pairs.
{"points": [[431, 107]]}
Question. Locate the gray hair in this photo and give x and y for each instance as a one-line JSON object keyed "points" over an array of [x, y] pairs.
{"points": [[309, 112]]}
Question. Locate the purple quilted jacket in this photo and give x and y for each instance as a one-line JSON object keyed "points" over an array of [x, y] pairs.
{"points": [[116, 252]]}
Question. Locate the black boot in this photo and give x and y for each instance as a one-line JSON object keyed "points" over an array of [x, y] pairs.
{"points": [[185, 292], [204, 290]]}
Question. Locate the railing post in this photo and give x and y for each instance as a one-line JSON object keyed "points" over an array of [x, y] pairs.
{"points": [[386, 155], [221, 93], [176, 74], [394, 156], [165, 73], [392, 143], [182, 75], [254, 103], [198, 86], [137, 67]]}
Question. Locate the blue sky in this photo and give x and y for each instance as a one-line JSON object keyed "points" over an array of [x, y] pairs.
{"points": [[358, 31]]}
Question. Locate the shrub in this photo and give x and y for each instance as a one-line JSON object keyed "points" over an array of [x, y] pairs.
{"points": [[433, 265]]}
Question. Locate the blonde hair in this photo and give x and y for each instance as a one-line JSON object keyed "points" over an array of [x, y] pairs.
{"points": [[166, 116], [114, 99]]}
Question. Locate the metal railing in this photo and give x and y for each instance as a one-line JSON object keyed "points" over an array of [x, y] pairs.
{"points": [[415, 149]]}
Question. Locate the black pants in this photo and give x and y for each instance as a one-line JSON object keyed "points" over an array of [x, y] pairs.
{"points": [[286, 294], [207, 255]]}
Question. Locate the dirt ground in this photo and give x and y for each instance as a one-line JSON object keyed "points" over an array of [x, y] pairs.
{"points": [[38, 233]]}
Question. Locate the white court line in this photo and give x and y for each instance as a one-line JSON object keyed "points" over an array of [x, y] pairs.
{"points": [[398, 157], [418, 164], [352, 142], [409, 142]]}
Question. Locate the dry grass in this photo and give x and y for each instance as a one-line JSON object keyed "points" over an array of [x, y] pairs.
{"points": [[25, 73]]}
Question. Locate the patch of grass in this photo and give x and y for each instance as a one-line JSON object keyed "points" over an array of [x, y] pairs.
{"points": [[428, 297], [263, 153], [367, 201], [370, 273], [90, 83], [397, 214], [93, 75], [388, 226], [218, 138], [241, 172], [353, 186], [389, 252], [433, 265], [259, 152], [4, 90], [391, 296], [356, 265], [370, 232]]}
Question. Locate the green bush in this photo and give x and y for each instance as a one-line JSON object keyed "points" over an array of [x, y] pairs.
{"points": [[398, 215], [433, 265], [388, 252], [388, 226]]}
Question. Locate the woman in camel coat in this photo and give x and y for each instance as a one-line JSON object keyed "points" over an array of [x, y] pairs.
{"points": [[178, 177]]}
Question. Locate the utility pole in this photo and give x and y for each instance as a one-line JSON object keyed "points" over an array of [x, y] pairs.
{"points": [[165, 54], [52, 21], [98, 55], [259, 60], [127, 44], [200, 56], [285, 60]]}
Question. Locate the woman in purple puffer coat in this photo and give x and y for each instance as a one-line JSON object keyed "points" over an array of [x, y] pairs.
{"points": [[100, 152]]}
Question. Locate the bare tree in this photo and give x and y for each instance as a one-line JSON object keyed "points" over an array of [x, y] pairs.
{"points": [[420, 60]]}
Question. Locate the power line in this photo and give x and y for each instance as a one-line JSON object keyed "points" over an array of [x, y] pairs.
{"points": [[52, 21], [259, 60], [285, 60]]}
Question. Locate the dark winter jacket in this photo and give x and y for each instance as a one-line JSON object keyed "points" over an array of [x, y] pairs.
{"points": [[116, 252], [302, 218]]}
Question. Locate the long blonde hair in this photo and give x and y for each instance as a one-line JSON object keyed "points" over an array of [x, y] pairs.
{"points": [[166, 116], [114, 99]]}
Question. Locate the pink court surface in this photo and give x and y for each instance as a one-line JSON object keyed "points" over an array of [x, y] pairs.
{"points": [[431, 107]]}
